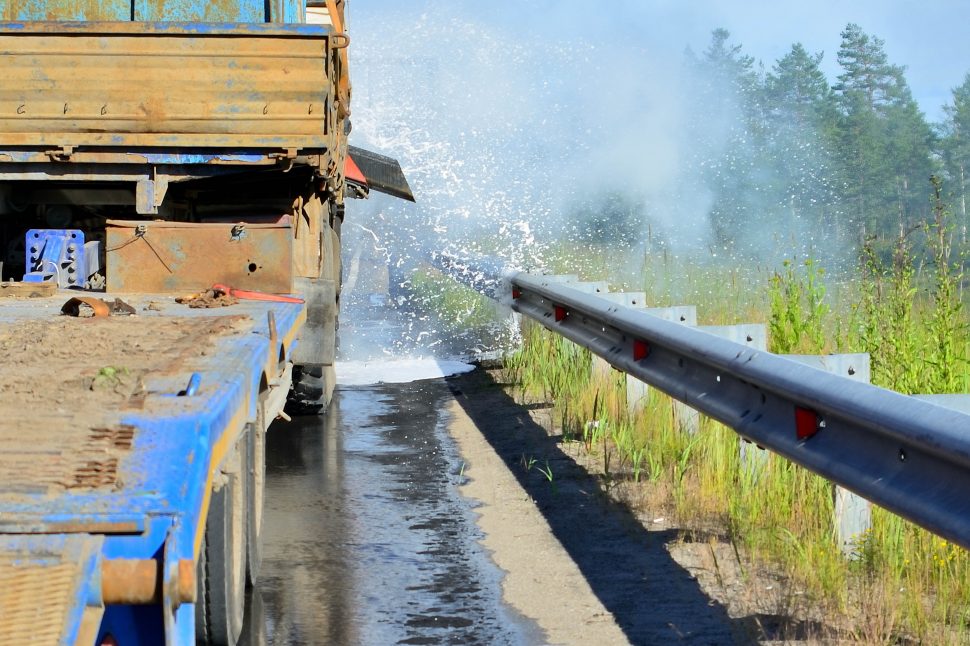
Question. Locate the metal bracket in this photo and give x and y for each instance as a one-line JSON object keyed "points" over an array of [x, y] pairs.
{"points": [[339, 41], [55, 254], [150, 193], [62, 154], [286, 158]]}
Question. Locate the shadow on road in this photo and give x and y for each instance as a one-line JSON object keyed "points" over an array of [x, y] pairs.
{"points": [[653, 599]]}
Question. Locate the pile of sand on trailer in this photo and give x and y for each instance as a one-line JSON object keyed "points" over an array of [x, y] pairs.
{"points": [[63, 379]]}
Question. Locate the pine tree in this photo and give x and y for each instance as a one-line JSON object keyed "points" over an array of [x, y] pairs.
{"points": [[955, 148], [725, 113], [801, 112], [797, 88], [868, 80], [883, 139], [726, 64]]}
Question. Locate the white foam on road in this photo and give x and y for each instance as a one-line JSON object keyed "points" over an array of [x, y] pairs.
{"points": [[397, 371]]}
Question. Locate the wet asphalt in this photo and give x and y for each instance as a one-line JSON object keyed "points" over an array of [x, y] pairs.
{"points": [[367, 539]]}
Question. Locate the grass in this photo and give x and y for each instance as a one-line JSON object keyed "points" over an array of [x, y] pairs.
{"points": [[903, 582], [109, 377]]}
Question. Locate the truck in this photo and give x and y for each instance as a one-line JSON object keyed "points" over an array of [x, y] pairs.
{"points": [[173, 177]]}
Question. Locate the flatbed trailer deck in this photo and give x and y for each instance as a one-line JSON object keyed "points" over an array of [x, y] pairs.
{"points": [[103, 505]]}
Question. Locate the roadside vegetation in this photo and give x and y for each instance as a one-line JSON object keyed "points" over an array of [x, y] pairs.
{"points": [[902, 584], [457, 307], [823, 181]]}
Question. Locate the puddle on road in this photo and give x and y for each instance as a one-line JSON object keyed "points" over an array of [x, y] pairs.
{"points": [[397, 371], [367, 539]]}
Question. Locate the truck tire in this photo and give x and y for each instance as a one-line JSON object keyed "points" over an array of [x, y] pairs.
{"points": [[254, 625], [221, 569], [254, 497], [312, 389]]}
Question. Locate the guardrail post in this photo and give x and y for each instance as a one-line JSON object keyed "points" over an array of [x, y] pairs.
{"points": [[637, 392], [686, 314], [552, 278], [753, 335], [597, 287], [853, 513], [601, 367]]}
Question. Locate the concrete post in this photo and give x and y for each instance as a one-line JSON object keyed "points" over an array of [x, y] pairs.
{"points": [[600, 368], [853, 513], [637, 392]]}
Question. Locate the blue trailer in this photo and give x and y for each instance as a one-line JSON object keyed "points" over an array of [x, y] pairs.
{"points": [[125, 518], [169, 153]]}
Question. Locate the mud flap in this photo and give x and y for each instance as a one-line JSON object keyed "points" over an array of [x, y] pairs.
{"points": [[317, 342]]}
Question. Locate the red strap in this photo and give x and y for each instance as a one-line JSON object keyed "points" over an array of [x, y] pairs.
{"points": [[256, 296]]}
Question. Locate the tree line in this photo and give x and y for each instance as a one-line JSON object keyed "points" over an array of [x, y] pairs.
{"points": [[851, 158]]}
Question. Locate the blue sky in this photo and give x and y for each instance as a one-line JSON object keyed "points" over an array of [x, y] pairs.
{"points": [[931, 38]]}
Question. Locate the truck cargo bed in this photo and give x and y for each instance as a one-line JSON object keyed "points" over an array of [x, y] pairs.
{"points": [[167, 85]]}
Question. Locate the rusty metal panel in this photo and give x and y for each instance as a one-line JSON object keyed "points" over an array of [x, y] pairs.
{"points": [[65, 10], [180, 257], [165, 85], [280, 11], [201, 10], [154, 10]]}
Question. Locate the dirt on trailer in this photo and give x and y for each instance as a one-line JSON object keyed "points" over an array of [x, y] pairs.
{"points": [[63, 382], [208, 299]]}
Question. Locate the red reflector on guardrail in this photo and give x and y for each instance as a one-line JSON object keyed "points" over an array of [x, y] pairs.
{"points": [[640, 349], [806, 423], [560, 313], [516, 293]]}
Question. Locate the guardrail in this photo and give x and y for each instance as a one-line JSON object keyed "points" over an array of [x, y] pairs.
{"points": [[904, 453]]}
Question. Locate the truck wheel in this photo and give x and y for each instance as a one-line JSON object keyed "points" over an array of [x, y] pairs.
{"points": [[222, 563], [254, 498], [254, 626], [312, 389]]}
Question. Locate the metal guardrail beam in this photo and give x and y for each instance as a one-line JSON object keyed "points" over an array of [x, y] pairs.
{"points": [[907, 455]]}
